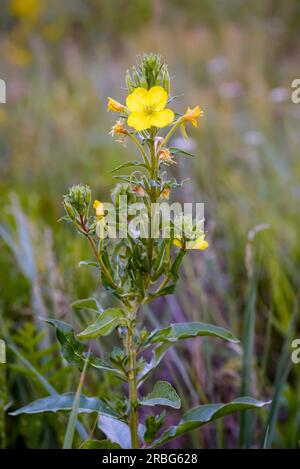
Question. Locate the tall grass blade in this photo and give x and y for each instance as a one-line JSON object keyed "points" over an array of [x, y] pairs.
{"points": [[48, 387], [283, 370], [246, 422], [69, 436]]}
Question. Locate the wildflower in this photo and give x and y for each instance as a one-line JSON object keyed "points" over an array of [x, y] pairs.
{"points": [[139, 190], [192, 115], [99, 207], [114, 106], [200, 243], [147, 108], [27, 10], [165, 193], [118, 129], [165, 156], [189, 233]]}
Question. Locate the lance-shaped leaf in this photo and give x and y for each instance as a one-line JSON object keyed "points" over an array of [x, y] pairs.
{"points": [[186, 330], [75, 352], [162, 394], [64, 402], [157, 355], [203, 414], [100, 444], [117, 431], [71, 349], [179, 331], [104, 324], [87, 303], [129, 164]]}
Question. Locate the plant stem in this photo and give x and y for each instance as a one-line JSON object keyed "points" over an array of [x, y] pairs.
{"points": [[3, 398], [135, 140], [133, 402]]}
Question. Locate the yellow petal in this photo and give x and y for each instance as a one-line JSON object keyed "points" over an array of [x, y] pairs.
{"points": [[161, 118], [138, 100], [158, 98], [199, 244], [139, 120], [177, 243]]}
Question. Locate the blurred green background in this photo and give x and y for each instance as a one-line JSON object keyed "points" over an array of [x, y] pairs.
{"points": [[237, 59]]}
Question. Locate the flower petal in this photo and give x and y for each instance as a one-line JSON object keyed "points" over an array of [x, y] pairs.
{"points": [[199, 243], [161, 118], [158, 98], [138, 100], [139, 120]]}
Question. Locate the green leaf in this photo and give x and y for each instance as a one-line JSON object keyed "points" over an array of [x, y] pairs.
{"points": [[90, 264], [204, 414], [87, 303], [115, 430], [129, 164], [100, 444], [47, 386], [172, 334], [157, 355], [153, 424], [176, 151], [75, 352], [104, 324], [162, 394], [64, 402], [71, 349], [186, 330]]}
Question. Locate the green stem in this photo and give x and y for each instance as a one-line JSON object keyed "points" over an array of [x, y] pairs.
{"points": [[3, 399], [101, 263], [171, 132], [132, 377], [145, 158]]}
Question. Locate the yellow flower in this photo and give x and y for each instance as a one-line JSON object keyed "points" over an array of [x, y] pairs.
{"points": [[165, 156], [200, 243], [147, 108], [165, 193], [115, 106], [99, 207], [192, 115], [139, 190], [118, 128], [27, 10]]}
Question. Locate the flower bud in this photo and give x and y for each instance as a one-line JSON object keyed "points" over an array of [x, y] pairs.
{"points": [[77, 201], [150, 71]]}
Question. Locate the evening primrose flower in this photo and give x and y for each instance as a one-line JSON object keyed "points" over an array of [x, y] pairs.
{"points": [[192, 115], [165, 193], [114, 106], [200, 243], [147, 108], [189, 233], [138, 189], [118, 129], [99, 207], [166, 157]]}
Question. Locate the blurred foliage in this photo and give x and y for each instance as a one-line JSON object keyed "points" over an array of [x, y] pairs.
{"points": [[237, 59]]}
